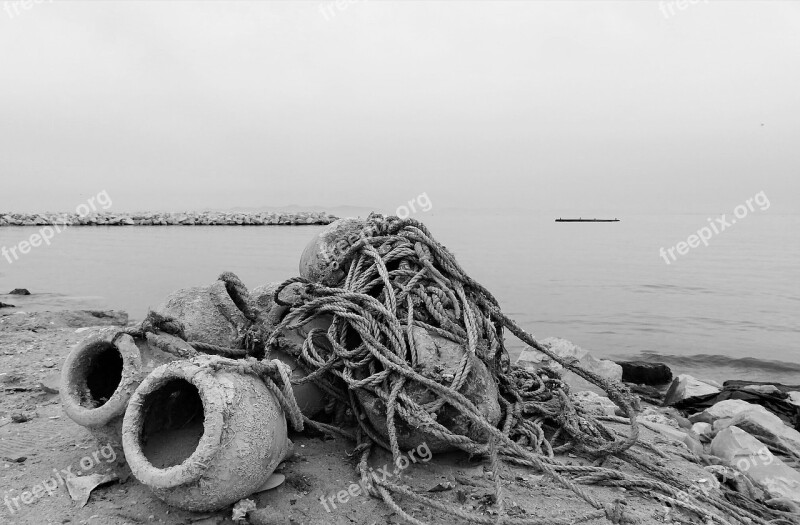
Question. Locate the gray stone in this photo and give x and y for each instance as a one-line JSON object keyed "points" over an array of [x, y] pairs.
{"points": [[765, 425], [51, 383], [594, 403], [723, 410], [685, 386], [739, 449]]}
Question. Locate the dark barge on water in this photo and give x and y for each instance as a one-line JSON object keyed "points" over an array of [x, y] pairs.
{"points": [[587, 220]]}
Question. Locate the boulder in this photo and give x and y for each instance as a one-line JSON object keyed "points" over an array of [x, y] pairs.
{"points": [[19, 291], [685, 386], [4, 305], [723, 410], [531, 358], [644, 373], [765, 425], [594, 403], [739, 449]]}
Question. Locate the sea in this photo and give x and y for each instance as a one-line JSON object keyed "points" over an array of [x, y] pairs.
{"points": [[726, 310]]}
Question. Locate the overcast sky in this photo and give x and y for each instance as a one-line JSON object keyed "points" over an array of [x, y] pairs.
{"points": [[585, 107]]}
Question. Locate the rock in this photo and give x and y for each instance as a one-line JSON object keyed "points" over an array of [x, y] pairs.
{"points": [[21, 417], [647, 393], [703, 430], [570, 352], [19, 291], [594, 403], [645, 373], [82, 318], [9, 378], [765, 425], [794, 398], [685, 386], [51, 383], [723, 410], [4, 305], [739, 449]]}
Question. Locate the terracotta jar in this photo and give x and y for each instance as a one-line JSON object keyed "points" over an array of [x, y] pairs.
{"points": [[100, 375], [203, 438], [208, 314]]}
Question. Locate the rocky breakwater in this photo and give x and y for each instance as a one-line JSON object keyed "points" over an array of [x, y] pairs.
{"points": [[203, 218]]}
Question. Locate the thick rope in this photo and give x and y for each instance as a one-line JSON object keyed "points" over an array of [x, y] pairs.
{"points": [[399, 278]]}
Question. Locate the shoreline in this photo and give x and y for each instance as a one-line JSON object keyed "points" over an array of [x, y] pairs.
{"points": [[321, 466], [190, 218]]}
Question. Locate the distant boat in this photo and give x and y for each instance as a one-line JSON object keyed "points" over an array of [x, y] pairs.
{"points": [[587, 220]]}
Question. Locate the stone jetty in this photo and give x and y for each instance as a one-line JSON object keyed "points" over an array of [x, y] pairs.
{"points": [[202, 218]]}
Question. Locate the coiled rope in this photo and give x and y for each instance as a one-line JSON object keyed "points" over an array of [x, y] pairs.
{"points": [[397, 278]]}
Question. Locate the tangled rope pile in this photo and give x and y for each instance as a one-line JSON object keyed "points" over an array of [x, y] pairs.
{"points": [[398, 278]]}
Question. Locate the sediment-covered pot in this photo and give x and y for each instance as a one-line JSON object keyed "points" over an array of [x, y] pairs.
{"points": [[101, 373], [322, 260], [438, 358], [203, 438], [208, 314], [309, 396]]}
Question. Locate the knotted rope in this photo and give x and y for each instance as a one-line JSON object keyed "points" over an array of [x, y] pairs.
{"points": [[398, 279]]}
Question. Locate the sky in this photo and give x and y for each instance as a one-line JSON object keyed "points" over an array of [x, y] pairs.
{"points": [[570, 107]]}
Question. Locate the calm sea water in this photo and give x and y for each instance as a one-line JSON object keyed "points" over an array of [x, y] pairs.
{"points": [[729, 310]]}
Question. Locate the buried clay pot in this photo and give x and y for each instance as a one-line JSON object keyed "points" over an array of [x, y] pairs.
{"points": [[208, 314], [203, 439], [309, 397], [321, 260], [439, 357], [102, 372]]}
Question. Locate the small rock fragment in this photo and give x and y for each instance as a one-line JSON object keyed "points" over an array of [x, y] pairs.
{"points": [[441, 487], [241, 509], [81, 487], [51, 383]]}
